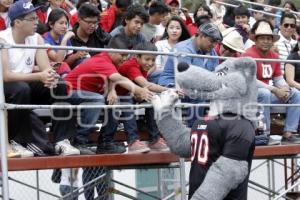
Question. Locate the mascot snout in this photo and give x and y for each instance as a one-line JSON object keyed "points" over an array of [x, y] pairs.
{"points": [[182, 66]]}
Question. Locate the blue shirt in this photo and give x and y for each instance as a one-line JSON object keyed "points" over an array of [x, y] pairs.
{"points": [[49, 40], [187, 46]]}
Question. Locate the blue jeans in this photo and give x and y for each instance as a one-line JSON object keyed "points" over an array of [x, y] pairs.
{"points": [[88, 117], [129, 120], [292, 113], [154, 77]]}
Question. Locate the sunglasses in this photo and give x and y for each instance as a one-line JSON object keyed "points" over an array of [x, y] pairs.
{"points": [[289, 25], [228, 49]]}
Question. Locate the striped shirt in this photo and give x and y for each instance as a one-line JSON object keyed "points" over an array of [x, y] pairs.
{"points": [[284, 47]]}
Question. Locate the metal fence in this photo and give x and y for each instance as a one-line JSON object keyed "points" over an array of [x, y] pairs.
{"points": [[83, 182]]}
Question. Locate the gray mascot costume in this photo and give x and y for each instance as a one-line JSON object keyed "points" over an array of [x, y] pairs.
{"points": [[221, 145]]}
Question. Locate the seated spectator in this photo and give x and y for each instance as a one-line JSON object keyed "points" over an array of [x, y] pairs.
{"points": [[203, 43], [88, 33], [74, 14], [45, 10], [241, 21], [292, 70], [286, 30], [272, 87], [58, 35], [228, 19], [112, 17], [136, 69], [256, 15], [287, 6], [201, 13], [133, 22], [218, 10], [21, 86], [176, 31], [88, 83], [232, 44], [4, 19], [157, 12], [160, 29], [180, 12]]}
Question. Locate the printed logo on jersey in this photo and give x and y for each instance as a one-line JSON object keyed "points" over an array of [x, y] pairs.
{"points": [[267, 70], [201, 127]]}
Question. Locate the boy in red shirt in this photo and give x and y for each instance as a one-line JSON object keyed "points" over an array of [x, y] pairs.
{"points": [[136, 69], [88, 84]]}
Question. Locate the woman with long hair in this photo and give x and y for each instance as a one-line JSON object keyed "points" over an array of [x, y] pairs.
{"points": [[58, 35], [175, 32]]}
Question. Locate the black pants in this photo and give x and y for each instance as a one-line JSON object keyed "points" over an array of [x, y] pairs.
{"points": [[23, 125]]}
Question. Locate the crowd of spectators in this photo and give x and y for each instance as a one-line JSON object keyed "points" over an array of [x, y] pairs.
{"points": [[77, 77]]}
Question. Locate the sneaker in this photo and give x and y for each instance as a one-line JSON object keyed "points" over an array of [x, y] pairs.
{"points": [[35, 149], [138, 147], [84, 149], [19, 149], [110, 148], [290, 140], [159, 145], [64, 148], [273, 142]]}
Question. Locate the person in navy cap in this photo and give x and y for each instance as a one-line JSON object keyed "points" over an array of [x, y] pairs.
{"points": [[26, 132]]}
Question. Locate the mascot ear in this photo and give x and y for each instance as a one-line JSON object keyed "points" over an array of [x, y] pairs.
{"points": [[182, 66]]}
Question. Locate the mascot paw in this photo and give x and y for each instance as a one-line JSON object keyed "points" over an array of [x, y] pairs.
{"points": [[165, 101]]}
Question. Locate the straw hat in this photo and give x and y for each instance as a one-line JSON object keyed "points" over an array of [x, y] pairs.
{"points": [[265, 29], [233, 40]]}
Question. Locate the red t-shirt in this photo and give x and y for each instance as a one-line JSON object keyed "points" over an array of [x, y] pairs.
{"points": [[130, 69], [265, 71], [92, 74]]}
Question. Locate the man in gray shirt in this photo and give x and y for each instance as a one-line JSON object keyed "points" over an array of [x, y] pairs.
{"points": [[133, 22]]}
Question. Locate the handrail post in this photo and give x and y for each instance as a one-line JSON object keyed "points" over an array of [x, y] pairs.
{"points": [[181, 160], [3, 137]]}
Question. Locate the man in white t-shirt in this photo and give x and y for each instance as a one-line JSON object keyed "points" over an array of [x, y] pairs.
{"points": [[22, 86]]}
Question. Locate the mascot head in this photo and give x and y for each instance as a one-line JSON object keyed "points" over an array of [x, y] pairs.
{"points": [[231, 88]]}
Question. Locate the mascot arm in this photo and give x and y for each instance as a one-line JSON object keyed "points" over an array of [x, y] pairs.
{"points": [[177, 135], [170, 125], [225, 175]]}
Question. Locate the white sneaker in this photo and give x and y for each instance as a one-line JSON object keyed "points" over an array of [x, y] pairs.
{"points": [[17, 148], [64, 148]]}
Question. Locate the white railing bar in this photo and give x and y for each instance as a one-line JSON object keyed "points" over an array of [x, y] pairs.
{"points": [[145, 105], [251, 9], [266, 5], [176, 54]]}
